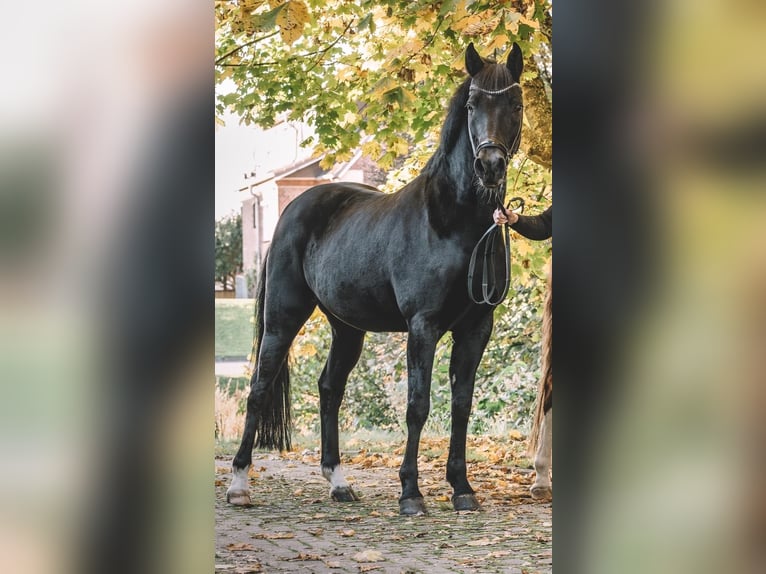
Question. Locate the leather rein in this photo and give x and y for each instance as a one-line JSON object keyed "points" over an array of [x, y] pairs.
{"points": [[491, 237]]}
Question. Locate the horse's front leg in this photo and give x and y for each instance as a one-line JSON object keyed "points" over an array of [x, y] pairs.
{"points": [[421, 345], [344, 353], [469, 345]]}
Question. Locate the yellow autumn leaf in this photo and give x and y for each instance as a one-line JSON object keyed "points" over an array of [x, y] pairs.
{"points": [[371, 149], [401, 147], [513, 434], [307, 350], [250, 5], [291, 20], [522, 248], [347, 73], [498, 42], [467, 22], [534, 24]]}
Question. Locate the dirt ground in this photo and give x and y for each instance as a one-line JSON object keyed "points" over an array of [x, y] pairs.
{"points": [[293, 526]]}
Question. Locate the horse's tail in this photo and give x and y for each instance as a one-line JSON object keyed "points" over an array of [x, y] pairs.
{"points": [[272, 408], [545, 384]]}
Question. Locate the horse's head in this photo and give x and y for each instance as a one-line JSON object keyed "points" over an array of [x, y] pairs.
{"points": [[494, 116]]}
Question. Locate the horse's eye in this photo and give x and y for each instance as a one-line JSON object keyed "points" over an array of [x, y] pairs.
{"points": [[518, 108], [469, 107]]}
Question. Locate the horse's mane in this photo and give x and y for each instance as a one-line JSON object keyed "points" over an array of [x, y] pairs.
{"points": [[493, 76]]}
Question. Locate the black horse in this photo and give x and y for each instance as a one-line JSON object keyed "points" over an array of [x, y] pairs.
{"points": [[389, 262]]}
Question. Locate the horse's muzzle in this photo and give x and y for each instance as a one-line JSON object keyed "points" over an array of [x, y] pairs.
{"points": [[490, 166]]}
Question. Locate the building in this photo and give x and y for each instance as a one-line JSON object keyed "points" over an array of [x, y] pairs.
{"points": [[266, 197]]}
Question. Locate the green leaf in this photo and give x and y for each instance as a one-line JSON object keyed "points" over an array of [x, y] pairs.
{"points": [[447, 7], [365, 22], [267, 21]]}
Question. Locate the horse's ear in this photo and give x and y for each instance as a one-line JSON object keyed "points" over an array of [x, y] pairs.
{"points": [[473, 62], [515, 62]]}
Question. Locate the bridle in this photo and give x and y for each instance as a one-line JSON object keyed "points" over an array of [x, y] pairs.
{"points": [[489, 142], [492, 235]]}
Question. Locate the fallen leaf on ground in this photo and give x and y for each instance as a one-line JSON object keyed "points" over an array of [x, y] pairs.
{"points": [[515, 435], [480, 542], [273, 535], [368, 556], [239, 547], [306, 558]]}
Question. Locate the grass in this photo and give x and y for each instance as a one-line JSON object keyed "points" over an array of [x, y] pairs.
{"points": [[233, 328]]}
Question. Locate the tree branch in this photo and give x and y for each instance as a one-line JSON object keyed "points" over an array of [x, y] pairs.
{"points": [[328, 48], [321, 52], [245, 45]]}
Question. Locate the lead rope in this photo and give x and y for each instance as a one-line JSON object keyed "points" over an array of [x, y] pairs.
{"points": [[489, 239]]}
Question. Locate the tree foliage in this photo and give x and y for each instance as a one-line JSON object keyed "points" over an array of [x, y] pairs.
{"points": [[385, 68], [228, 250]]}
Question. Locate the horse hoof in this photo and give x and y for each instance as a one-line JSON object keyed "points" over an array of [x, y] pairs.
{"points": [[344, 494], [412, 507], [465, 502], [238, 497], [541, 492]]}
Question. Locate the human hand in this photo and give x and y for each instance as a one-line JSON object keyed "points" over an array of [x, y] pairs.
{"points": [[500, 217]]}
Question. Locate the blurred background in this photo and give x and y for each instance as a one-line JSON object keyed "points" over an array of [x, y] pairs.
{"points": [[660, 133], [106, 209]]}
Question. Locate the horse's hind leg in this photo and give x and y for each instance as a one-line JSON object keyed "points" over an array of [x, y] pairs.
{"points": [[470, 341], [541, 489], [283, 315], [344, 354]]}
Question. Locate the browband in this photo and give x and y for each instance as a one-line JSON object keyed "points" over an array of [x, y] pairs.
{"points": [[493, 92]]}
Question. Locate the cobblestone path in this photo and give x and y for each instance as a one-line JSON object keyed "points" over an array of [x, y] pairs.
{"points": [[293, 525]]}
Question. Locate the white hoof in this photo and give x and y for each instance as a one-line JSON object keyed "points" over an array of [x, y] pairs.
{"points": [[238, 497], [239, 492]]}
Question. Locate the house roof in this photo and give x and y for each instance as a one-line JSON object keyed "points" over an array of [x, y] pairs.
{"points": [[338, 171]]}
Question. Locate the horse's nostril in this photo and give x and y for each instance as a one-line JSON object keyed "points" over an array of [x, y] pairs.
{"points": [[478, 168]]}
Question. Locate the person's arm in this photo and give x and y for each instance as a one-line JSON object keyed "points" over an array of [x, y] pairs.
{"points": [[535, 227]]}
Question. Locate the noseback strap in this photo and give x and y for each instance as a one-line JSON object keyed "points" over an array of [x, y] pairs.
{"points": [[489, 144]]}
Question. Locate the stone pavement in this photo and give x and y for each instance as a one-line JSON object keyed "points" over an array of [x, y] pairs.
{"points": [[293, 526]]}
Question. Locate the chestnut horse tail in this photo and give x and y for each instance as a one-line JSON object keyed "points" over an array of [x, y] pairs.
{"points": [[545, 384]]}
